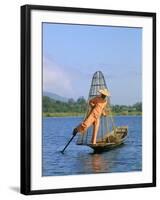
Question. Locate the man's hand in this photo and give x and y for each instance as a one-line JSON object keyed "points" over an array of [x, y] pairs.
{"points": [[92, 105], [105, 112]]}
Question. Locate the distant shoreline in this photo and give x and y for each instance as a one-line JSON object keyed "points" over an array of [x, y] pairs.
{"points": [[74, 114]]}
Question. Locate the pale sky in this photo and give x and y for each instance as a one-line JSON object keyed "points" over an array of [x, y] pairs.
{"points": [[73, 53]]}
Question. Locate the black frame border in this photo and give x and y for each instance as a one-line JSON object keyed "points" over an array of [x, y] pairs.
{"points": [[25, 174]]}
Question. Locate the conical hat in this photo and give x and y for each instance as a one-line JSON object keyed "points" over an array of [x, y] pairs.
{"points": [[104, 92]]}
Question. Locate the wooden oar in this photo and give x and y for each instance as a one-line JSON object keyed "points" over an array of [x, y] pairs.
{"points": [[68, 143], [89, 112], [74, 134]]}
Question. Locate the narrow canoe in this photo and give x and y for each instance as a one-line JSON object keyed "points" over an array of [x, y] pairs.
{"points": [[111, 140]]}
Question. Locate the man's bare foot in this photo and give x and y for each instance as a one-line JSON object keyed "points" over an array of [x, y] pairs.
{"points": [[93, 143]]}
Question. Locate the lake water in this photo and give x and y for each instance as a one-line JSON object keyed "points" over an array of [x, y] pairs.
{"points": [[81, 159]]}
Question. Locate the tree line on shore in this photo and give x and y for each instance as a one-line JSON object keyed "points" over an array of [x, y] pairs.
{"points": [[79, 106]]}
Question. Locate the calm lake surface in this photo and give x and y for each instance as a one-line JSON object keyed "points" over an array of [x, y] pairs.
{"points": [[81, 159]]}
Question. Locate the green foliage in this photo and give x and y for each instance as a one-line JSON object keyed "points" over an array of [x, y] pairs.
{"points": [[138, 106], [52, 107], [127, 109], [71, 101]]}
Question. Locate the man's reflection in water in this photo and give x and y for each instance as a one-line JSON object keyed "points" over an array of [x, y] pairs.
{"points": [[98, 163]]}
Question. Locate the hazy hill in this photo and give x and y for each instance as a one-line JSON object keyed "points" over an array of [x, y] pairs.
{"points": [[55, 96]]}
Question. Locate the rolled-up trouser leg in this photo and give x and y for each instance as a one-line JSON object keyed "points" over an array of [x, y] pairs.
{"points": [[95, 130], [85, 124]]}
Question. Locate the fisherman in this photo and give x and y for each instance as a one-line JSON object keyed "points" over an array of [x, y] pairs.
{"points": [[98, 107]]}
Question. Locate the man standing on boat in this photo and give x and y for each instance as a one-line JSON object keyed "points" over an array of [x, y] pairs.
{"points": [[98, 106]]}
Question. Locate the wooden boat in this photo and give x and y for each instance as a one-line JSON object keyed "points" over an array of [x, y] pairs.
{"points": [[111, 140]]}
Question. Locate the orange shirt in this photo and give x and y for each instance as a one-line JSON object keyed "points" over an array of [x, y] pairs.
{"points": [[98, 104]]}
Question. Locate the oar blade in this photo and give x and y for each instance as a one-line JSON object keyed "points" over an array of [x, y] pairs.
{"points": [[67, 144]]}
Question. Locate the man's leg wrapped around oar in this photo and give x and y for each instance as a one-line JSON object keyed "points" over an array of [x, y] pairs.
{"points": [[82, 128]]}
